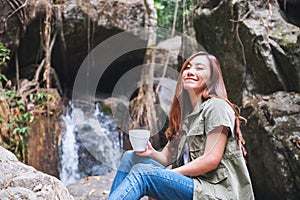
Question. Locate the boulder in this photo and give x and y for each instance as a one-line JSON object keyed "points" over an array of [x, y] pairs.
{"points": [[259, 53], [19, 181], [257, 49], [272, 137]]}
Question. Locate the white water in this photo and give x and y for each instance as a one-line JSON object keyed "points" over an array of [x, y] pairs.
{"points": [[69, 162]]}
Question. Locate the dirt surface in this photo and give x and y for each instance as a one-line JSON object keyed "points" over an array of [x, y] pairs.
{"points": [[93, 187]]}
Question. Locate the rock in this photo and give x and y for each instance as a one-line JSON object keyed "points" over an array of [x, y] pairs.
{"points": [[259, 54], [289, 10], [19, 181], [44, 137], [253, 43], [97, 154], [77, 27], [272, 139]]}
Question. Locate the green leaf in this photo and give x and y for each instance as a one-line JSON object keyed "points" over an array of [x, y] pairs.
{"points": [[16, 130], [3, 77]]}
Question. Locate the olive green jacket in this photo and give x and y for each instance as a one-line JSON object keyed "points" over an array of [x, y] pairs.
{"points": [[231, 179]]}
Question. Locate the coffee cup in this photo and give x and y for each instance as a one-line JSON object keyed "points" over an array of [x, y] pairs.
{"points": [[139, 139]]}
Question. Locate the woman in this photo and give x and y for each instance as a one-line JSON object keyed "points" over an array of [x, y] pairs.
{"points": [[202, 117]]}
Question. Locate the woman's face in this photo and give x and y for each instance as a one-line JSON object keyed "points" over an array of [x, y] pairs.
{"points": [[196, 74]]}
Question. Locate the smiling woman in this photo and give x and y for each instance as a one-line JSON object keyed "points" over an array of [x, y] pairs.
{"points": [[202, 117], [203, 69]]}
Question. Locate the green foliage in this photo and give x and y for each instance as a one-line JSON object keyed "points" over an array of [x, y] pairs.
{"points": [[39, 98], [17, 125], [106, 109], [165, 13], [3, 77], [19, 113], [22, 111], [4, 58]]}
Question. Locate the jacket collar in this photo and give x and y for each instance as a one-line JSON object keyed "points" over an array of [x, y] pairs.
{"points": [[198, 108]]}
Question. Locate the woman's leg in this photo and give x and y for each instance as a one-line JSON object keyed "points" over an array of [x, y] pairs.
{"points": [[154, 181], [129, 159]]}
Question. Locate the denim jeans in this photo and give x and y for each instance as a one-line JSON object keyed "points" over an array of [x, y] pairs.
{"points": [[139, 176]]}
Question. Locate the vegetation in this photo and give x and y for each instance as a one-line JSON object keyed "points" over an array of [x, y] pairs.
{"points": [[17, 111], [165, 13], [4, 57]]}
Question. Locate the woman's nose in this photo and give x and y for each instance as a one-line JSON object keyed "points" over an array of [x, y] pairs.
{"points": [[190, 72]]}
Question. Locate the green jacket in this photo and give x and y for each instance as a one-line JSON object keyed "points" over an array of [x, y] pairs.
{"points": [[231, 179]]}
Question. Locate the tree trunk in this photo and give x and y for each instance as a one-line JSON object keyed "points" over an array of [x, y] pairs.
{"points": [[143, 110]]}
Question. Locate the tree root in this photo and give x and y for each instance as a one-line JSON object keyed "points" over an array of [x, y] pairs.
{"points": [[16, 6]]}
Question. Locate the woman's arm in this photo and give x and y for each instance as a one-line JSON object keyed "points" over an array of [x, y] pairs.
{"points": [[214, 149]]}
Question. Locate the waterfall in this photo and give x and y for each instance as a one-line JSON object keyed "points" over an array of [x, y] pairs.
{"points": [[69, 162], [91, 144]]}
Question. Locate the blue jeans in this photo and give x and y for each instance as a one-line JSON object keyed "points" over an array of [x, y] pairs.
{"points": [[139, 176]]}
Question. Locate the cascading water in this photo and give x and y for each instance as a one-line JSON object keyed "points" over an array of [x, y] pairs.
{"points": [[69, 161], [91, 143]]}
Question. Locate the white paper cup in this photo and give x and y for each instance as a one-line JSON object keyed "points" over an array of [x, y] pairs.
{"points": [[139, 139]]}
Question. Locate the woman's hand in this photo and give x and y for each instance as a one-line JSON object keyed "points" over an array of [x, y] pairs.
{"points": [[163, 157], [148, 151]]}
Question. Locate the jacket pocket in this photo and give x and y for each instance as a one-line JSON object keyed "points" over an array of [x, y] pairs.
{"points": [[216, 176], [196, 141]]}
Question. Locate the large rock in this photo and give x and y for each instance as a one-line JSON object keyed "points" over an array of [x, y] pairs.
{"points": [[19, 181], [260, 54], [86, 25], [77, 27], [273, 142], [18, 16], [254, 45]]}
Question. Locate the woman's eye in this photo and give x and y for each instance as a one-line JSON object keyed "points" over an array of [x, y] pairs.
{"points": [[199, 68]]}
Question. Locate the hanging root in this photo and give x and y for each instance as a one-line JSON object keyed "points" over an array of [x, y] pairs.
{"points": [[16, 6]]}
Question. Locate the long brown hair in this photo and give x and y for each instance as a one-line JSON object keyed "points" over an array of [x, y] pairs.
{"points": [[215, 87]]}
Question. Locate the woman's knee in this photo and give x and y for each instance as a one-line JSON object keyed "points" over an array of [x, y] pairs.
{"points": [[127, 161], [128, 155]]}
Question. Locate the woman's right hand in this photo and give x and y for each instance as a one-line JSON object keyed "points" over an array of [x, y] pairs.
{"points": [[148, 151], [163, 157]]}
